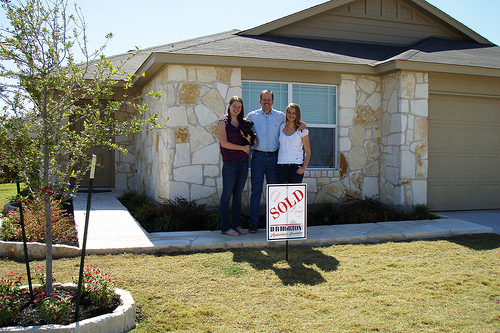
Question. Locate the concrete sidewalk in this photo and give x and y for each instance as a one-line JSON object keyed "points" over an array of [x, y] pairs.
{"points": [[113, 230]]}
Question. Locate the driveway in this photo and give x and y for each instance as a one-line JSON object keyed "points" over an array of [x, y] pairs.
{"points": [[489, 218]]}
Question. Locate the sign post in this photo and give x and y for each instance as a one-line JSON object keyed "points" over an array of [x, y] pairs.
{"points": [[286, 212]]}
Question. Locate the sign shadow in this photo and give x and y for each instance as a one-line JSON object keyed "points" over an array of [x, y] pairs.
{"points": [[303, 267]]}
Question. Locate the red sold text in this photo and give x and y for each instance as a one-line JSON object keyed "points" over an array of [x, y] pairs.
{"points": [[286, 204]]}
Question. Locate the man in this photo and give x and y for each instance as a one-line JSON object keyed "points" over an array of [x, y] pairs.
{"points": [[267, 123]]}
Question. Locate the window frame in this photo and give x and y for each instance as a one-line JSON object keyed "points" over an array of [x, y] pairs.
{"points": [[312, 125]]}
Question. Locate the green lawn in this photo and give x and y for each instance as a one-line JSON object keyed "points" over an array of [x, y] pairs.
{"points": [[444, 285], [7, 191]]}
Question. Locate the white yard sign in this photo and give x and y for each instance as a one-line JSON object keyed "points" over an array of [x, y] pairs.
{"points": [[286, 212]]}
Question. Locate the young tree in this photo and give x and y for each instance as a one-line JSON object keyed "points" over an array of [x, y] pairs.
{"points": [[46, 93]]}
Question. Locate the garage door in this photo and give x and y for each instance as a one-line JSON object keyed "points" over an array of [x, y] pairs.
{"points": [[464, 152]]}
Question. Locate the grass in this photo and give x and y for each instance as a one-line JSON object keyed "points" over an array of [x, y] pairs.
{"points": [[7, 190], [444, 285]]}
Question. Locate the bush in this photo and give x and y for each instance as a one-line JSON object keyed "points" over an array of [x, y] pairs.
{"points": [[179, 214], [63, 227]]}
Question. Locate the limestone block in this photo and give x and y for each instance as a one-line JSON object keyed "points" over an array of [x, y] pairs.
{"points": [[396, 139], [357, 159], [357, 136], [375, 101], [170, 95], [350, 195], [189, 93], [362, 97], [420, 149], [404, 106], [205, 115], [200, 138], [367, 85], [372, 150], [343, 166], [347, 94], [182, 155], [222, 89], [420, 107], [323, 181], [176, 73], [392, 106], [398, 123], [388, 87], [364, 116], [211, 170], [214, 130], [181, 135], [336, 189], [191, 76], [419, 189], [200, 191], [311, 184], [207, 155], [206, 74], [344, 144], [214, 102], [224, 76], [356, 180], [408, 165], [346, 117], [177, 116], [189, 174], [408, 81], [421, 129], [372, 169], [370, 187], [392, 175], [422, 169], [191, 116], [236, 78], [387, 194], [178, 189]]}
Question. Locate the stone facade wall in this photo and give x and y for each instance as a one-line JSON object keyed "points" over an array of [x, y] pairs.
{"points": [[183, 158], [403, 177], [382, 139]]}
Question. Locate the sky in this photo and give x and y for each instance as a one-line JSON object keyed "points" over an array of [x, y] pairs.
{"points": [[149, 23]]}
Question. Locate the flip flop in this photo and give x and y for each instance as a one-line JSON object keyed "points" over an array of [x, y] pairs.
{"points": [[231, 232], [240, 231]]}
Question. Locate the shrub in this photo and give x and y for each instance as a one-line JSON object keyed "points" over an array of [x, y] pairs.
{"points": [[179, 214], [422, 212], [63, 228], [9, 290], [99, 285]]}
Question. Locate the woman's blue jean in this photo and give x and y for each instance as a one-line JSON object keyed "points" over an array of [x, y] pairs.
{"points": [[234, 177], [287, 173]]}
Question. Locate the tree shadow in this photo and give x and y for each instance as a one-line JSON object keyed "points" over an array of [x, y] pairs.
{"points": [[479, 242], [303, 266]]}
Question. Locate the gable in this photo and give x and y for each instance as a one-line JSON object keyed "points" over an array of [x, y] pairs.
{"points": [[397, 22]]}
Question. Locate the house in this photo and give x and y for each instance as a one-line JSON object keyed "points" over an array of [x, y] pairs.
{"points": [[402, 102]]}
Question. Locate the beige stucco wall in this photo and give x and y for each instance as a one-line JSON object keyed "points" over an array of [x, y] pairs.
{"points": [[382, 138]]}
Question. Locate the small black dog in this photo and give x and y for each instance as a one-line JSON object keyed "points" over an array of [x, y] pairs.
{"points": [[248, 130]]}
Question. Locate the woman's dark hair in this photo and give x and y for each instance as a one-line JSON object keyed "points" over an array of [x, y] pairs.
{"points": [[241, 114], [297, 113]]}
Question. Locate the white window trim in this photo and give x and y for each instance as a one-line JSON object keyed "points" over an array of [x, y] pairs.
{"points": [[290, 84]]}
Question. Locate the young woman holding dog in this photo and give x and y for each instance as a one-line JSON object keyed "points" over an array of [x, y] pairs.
{"points": [[234, 153], [295, 149]]}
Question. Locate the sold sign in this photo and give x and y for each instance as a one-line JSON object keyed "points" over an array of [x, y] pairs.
{"points": [[286, 211]]}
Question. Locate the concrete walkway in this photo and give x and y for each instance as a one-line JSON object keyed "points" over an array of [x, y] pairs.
{"points": [[113, 230]]}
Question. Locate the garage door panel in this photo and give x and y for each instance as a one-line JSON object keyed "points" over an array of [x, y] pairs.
{"points": [[464, 152]]}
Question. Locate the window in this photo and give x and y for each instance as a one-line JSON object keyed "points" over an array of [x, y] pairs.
{"points": [[318, 106]]}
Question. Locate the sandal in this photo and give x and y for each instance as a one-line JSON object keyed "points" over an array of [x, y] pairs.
{"points": [[230, 232], [240, 231]]}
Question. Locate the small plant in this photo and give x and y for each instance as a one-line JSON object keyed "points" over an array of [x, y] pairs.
{"points": [[53, 308], [178, 214], [99, 285], [63, 229], [422, 212], [9, 290]]}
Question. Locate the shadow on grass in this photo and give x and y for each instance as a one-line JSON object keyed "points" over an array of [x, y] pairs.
{"points": [[478, 242], [304, 264]]}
